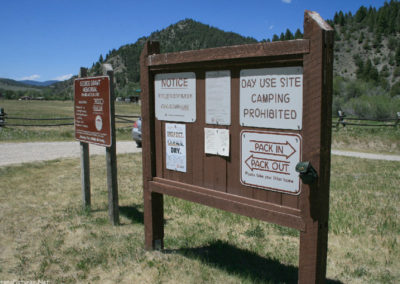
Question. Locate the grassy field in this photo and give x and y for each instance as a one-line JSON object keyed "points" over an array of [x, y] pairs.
{"points": [[53, 109], [364, 139], [44, 233]]}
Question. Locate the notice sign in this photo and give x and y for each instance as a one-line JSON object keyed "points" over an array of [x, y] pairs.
{"points": [[92, 110], [272, 97], [175, 96], [218, 97], [268, 160], [175, 138]]}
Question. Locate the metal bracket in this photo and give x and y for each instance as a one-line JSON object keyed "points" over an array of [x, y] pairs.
{"points": [[307, 173]]}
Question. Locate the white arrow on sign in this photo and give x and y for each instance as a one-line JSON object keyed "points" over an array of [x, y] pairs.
{"points": [[273, 148], [267, 165]]}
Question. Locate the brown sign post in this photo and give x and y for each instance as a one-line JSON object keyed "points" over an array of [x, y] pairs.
{"points": [[95, 124], [244, 153]]}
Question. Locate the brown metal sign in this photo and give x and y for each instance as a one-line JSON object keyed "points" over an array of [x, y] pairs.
{"points": [[92, 110]]}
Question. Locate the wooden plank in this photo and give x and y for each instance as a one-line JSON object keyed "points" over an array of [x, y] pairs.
{"points": [[282, 48], [226, 202], [111, 156], [85, 162], [85, 174], [153, 202], [215, 170], [227, 196], [314, 199], [290, 200], [197, 137], [233, 166], [160, 147]]}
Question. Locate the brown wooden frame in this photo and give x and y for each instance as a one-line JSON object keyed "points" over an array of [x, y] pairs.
{"points": [[214, 180]]}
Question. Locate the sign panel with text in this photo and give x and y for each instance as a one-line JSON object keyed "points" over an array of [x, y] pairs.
{"points": [[268, 160], [175, 96], [92, 110], [272, 97]]}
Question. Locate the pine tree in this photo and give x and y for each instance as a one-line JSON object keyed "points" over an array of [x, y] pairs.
{"points": [[288, 35], [298, 34]]}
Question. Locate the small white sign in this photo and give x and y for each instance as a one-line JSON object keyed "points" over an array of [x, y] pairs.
{"points": [[216, 141], [272, 97], [175, 139], [269, 159], [175, 96], [218, 97]]}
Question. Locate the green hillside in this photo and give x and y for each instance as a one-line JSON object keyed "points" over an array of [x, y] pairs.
{"points": [[184, 35]]}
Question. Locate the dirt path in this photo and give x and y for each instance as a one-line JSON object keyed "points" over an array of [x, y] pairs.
{"points": [[367, 155], [16, 153]]}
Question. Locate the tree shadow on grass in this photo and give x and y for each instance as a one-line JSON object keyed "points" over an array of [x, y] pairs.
{"points": [[245, 264], [132, 213]]}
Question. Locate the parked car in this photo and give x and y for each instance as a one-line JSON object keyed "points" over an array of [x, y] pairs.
{"points": [[137, 132]]}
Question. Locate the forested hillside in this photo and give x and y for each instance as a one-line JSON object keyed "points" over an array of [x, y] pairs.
{"points": [[184, 35], [367, 61]]}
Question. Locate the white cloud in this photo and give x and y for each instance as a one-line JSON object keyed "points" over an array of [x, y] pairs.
{"points": [[287, 1], [63, 77], [271, 27], [32, 77]]}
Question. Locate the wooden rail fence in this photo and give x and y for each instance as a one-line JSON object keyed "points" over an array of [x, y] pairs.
{"points": [[343, 120], [58, 121]]}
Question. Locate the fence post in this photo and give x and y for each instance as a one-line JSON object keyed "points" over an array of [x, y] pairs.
{"points": [[340, 119], [2, 117], [85, 165], [111, 155]]}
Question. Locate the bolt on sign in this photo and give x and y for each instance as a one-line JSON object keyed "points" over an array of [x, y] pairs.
{"points": [[92, 110], [228, 128]]}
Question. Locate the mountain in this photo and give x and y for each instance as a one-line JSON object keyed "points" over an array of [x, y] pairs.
{"points": [[184, 35], [9, 84], [37, 83]]}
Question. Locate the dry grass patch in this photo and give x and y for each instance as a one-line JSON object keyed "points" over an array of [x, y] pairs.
{"points": [[45, 234]]}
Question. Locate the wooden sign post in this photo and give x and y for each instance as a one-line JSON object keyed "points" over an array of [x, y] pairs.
{"points": [[243, 154], [95, 124]]}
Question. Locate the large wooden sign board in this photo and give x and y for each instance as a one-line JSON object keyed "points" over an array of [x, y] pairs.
{"points": [[240, 154]]}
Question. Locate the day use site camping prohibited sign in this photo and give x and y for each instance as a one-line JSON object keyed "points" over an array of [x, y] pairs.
{"points": [[245, 129], [92, 110]]}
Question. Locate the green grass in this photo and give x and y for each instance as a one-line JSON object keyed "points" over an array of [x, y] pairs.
{"points": [[52, 109], [45, 234], [367, 139]]}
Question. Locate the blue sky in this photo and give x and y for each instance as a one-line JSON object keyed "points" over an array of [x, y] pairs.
{"points": [[51, 39]]}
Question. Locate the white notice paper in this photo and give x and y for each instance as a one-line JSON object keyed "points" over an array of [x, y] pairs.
{"points": [[175, 96], [218, 97], [216, 141], [175, 139]]}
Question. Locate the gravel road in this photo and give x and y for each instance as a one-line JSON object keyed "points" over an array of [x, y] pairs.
{"points": [[16, 153]]}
